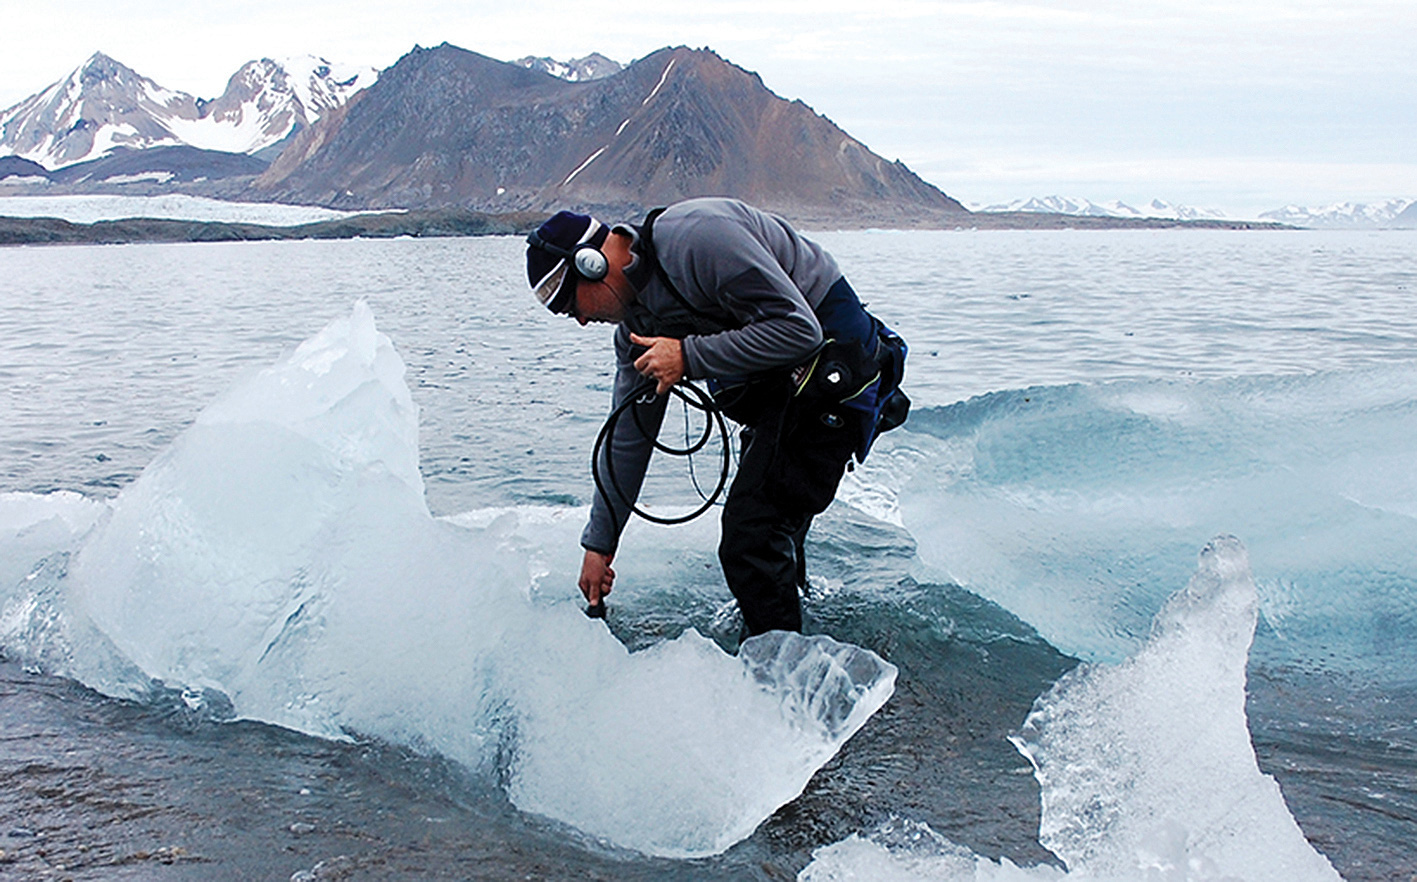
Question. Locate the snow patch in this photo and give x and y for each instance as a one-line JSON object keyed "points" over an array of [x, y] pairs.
{"points": [[662, 77], [160, 177], [591, 67], [582, 166]]}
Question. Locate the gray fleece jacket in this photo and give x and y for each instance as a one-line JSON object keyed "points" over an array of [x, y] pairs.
{"points": [[752, 282]]}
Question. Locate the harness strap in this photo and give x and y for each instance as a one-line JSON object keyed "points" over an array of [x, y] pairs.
{"points": [[647, 243]]}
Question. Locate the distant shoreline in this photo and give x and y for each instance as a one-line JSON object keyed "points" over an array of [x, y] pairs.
{"points": [[451, 223]]}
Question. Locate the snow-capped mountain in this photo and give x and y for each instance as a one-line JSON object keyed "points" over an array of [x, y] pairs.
{"points": [[592, 67], [1050, 205], [103, 106], [268, 100], [1349, 215], [100, 106], [1087, 208]]}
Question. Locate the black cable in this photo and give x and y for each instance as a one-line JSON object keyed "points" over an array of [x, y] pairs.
{"points": [[705, 404], [700, 400], [693, 475]]}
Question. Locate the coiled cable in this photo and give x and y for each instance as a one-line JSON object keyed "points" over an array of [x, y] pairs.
{"points": [[692, 396]]}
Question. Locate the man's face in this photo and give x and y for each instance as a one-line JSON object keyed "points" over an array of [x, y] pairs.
{"points": [[596, 302]]}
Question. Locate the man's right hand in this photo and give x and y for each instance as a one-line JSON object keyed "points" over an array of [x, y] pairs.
{"points": [[596, 576]]}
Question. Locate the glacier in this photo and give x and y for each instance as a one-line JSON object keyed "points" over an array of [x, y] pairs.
{"points": [[91, 208]]}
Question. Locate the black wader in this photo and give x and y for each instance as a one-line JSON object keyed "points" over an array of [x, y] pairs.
{"points": [[794, 453]]}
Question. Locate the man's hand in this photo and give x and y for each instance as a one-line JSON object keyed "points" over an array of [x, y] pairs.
{"points": [[596, 576], [664, 362]]}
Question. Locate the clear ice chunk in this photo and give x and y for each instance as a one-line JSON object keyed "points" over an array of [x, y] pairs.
{"points": [[279, 562], [1145, 767]]}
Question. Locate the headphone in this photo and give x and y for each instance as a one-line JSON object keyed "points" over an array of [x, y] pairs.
{"points": [[589, 262]]}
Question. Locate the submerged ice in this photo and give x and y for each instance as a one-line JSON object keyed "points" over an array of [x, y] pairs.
{"points": [[280, 557], [1076, 507], [681, 750], [1145, 768]]}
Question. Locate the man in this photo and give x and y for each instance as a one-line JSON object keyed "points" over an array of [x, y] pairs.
{"points": [[716, 289]]}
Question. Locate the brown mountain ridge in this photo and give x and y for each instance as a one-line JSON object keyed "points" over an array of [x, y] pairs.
{"points": [[446, 127]]}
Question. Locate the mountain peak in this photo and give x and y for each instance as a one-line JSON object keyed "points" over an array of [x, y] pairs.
{"points": [[578, 70], [99, 59], [100, 67], [101, 70]]}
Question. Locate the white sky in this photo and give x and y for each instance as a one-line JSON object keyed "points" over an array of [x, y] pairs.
{"points": [[1244, 105]]}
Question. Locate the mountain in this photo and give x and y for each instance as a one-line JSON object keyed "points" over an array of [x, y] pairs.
{"points": [[1162, 208], [449, 127], [1077, 207], [1394, 213], [100, 106], [1052, 205], [592, 67], [14, 170], [104, 106], [267, 101], [1407, 218]]}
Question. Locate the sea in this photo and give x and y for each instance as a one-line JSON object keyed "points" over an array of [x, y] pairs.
{"points": [[289, 549]]}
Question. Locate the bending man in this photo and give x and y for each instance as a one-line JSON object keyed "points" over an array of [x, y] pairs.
{"points": [[716, 289]]}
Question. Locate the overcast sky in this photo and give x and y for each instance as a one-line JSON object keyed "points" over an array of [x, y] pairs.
{"points": [[1244, 105]]}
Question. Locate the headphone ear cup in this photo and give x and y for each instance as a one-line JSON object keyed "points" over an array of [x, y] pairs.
{"points": [[591, 263]]}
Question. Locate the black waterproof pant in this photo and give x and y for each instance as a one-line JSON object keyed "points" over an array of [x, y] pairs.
{"points": [[792, 461]]}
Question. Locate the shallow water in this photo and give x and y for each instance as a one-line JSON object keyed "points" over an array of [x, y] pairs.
{"points": [[1150, 390]]}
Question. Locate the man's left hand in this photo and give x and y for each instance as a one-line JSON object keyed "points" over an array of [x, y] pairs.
{"points": [[664, 362]]}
